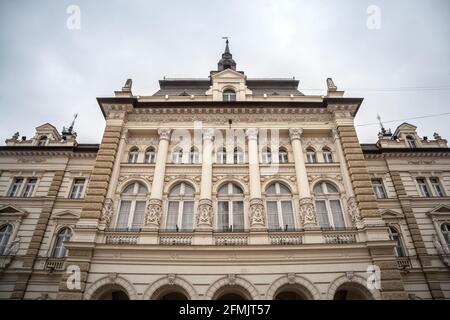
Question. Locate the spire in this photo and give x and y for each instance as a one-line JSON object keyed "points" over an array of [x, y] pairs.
{"points": [[227, 61]]}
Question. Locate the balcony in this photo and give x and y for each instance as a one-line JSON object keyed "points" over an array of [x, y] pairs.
{"points": [[53, 264], [175, 240], [337, 236], [403, 263], [122, 237], [286, 238], [230, 239]]}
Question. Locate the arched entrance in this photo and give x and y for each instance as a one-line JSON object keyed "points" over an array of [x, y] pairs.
{"points": [[170, 292], [111, 292], [292, 292], [352, 291], [232, 292]]}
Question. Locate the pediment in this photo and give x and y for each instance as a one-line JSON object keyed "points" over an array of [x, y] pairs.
{"points": [[66, 214], [48, 129], [12, 211], [440, 210], [391, 214], [228, 74], [405, 127]]}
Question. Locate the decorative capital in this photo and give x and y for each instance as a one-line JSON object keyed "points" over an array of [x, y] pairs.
{"points": [[295, 133], [154, 213], [257, 214], [252, 133], [208, 134], [164, 134], [205, 213], [308, 213]]}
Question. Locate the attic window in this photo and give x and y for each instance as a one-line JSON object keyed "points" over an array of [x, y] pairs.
{"points": [[42, 141], [411, 142], [229, 95]]}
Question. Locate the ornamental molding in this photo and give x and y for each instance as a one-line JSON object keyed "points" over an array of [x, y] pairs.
{"points": [[153, 213], [307, 213], [204, 213], [257, 214], [107, 212]]}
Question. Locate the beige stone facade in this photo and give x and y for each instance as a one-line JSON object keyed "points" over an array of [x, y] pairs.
{"points": [[225, 187]]}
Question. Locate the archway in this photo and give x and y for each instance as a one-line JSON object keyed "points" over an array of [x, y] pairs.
{"points": [[170, 292], [111, 292], [352, 291], [292, 292], [232, 292]]}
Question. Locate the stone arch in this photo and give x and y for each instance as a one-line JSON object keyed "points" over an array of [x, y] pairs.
{"points": [[224, 180], [122, 184], [308, 287], [231, 281], [292, 187], [112, 280], [170, 280], [356, 281], [169, 185], [333, 181]]}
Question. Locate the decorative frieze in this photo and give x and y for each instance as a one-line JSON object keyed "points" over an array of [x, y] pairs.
{"points": [[257, 214], [307, 213], [353, 211], [153, 213], [205, 213], [107, 212]]}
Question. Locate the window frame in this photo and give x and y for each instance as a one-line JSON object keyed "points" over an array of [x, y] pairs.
{"points": [[279, 197], [445, 233], [181, 199], [177, 155], [266, 155], [150, 155], [311, 155], [80, 192], [229, 95], [221, 155], [61, 247], [327, 197], [283, 156], [327, 155], [17, 192], [133, 155], [411, 142], [439, 191], [399, 240], [29, 194], [42, 141], [133, 198], [424, 184], [230, 198], [194, 155], [238, 155], [6, 234], [376, 187]]}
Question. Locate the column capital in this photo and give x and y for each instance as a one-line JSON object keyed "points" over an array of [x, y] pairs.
{"points": [[208, 134], [164, 134], [252, 133], [295, 133]]}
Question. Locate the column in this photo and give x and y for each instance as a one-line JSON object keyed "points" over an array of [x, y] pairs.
{"points": [[154, 208], [205, 210], [352, 205], [307, 212], [257, 214]]}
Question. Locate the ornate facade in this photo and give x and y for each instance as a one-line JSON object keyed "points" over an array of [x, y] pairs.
{"points": [[226, 187]]}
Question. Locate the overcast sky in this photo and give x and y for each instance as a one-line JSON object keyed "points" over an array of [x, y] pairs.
{"points": [[48, 72]]}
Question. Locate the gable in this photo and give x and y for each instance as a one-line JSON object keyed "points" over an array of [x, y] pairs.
{"points": [[66, 214], [12, 211], [441, 209], [228, 74], [405, 127], [391, 214]]}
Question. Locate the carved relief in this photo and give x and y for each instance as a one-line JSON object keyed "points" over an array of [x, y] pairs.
{"points": [[154, 212], [107, 212], [257, 214], [164, 134], [353, 210], [307, 212], [205, 213]]}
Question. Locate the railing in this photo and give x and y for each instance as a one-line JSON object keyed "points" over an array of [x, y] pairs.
{"points": [[175, 240], [55, 264], [122, 239], [222, 239], [339, 237], [403, 263], [286, 239]]}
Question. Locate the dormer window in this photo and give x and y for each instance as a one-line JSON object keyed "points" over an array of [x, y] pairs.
{"points": [[229, 95], [411, 142], [42, 141]]}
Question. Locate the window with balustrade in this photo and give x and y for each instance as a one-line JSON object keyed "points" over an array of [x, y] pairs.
{"points": [[394, 234], [279, 207], [311, 156], [150, 155], [133, 200], [5, 235], [230, 208], [133, 155], [328, 205], [59, 249], [180, 209]]}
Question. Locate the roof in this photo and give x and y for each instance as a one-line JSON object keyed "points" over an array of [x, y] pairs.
{"points": [[371, 148], [199, 86], [86, 147]]}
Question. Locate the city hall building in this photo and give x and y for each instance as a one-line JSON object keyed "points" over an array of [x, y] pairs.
{"points": [[225, 187]]}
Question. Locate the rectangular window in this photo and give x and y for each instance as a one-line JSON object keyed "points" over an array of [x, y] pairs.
{"points": [[272, 215], [378, 188], [77, 188], [438, 191], [423, 187], [124, 213], [29, 187], [15, 187], [322, 214]]}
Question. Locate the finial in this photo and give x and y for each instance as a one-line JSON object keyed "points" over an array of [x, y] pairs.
{"points": [[69, 131], [127, 86], [227, 58], [383, 130], [330, 84]]}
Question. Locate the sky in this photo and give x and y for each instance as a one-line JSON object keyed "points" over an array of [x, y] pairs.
{"points": [[394, 54]]}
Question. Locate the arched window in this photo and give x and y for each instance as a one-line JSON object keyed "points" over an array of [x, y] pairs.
{"points": [[42, 141], [266, 155], [229, 95], [282, 155], [194, 155], [411, 141], [395, 235], [180, 212], [132, 206], [221, 155], [150, 155], [446, 233], [311, 155], [238, 155], [177, 155], [5, 234], [133, 155], [279, 207], [327, 155], [230, 208], [328, 205], [59, 250]]}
